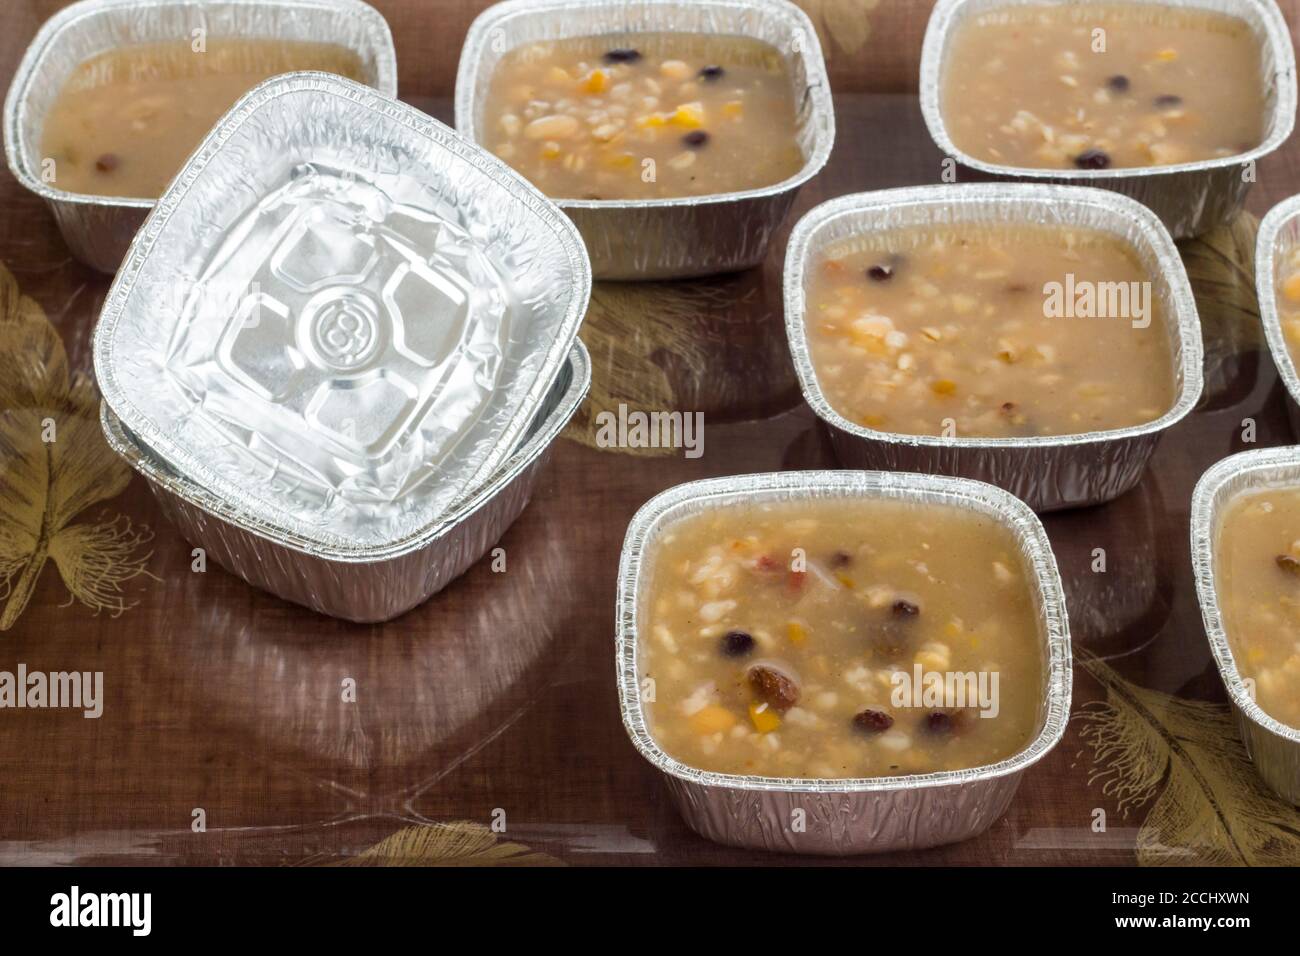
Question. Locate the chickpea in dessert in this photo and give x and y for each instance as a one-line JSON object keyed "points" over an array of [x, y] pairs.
{"points": [[644, 116], [1258, 583], [1095, 86], [988, 331], [787, 640], [126, 120]]}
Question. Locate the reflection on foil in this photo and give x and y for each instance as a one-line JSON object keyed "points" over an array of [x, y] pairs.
{"points": [[368, 710], [714, 347], [1115, 573]]}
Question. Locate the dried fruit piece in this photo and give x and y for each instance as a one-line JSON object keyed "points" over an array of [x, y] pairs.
{"points": [[872, 721], [711, 73], [905, 609], [880, 273], [622, 55], [1288, 564], [772, 687], [695, 139], [736, 644], [939, 722], [1168, 101], [107, 162], [1117, 83], [1092, 159]]}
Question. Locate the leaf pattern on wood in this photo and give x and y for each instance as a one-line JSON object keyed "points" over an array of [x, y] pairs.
{"points": [[54, 464], [632, 330], [460, 843], [1208, 806]]}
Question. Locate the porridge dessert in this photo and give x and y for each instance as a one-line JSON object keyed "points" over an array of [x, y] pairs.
{"points": [[799, 640], [1092, 86], [988, 331], [1288, 300], [644, 116], [1258, 585], [126, 120]]}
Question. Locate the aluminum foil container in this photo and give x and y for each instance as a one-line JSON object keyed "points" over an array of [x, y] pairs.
{"points": [[360, 584], [1273, 746], [1046, 471], [848, 816], [679, 237], [341, 316], [1279, 233], [98, 229], [1189, 198]]}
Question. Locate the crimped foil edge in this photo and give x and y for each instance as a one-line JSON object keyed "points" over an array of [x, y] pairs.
{"points": [[1278, 229], [141, 458], [1221, 483], [1275, 38], [16, 153], [822, 113], [566, 235], [1066, 202], [975, 495]]}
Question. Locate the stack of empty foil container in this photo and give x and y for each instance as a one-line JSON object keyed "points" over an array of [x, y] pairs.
{"points": [[341, 345]]}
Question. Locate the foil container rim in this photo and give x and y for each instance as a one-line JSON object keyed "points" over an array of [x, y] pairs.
{"points": [[1186, 318], [141, 460], [416, 122], [1010, 510], [1266, 250], [1204, 514], [16, 154], [822, 114], [947, 14]]}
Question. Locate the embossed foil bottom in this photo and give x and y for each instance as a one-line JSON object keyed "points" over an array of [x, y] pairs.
{"points": [[858, 815], [1189, 198], [1279, 233], [1273, 746], [99, 229], [666, 238], [1048, 472], [360, 586], [341, 316]]}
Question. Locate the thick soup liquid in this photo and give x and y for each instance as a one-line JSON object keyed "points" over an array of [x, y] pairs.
{"points": [[997, 331], [127, 120], [785, 640], [1258, 583], [644, 116], [1092, 86]]}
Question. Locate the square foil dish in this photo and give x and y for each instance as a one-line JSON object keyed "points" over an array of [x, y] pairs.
{"points": [[341, 317], [1279, 235], [1190, 198], [98, 229], [669, 238], [1274, 747], [361, 584], [851, 815], [1048, 472]]}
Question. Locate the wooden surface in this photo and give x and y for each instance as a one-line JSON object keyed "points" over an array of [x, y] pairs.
{"points": [[499, 693]]}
